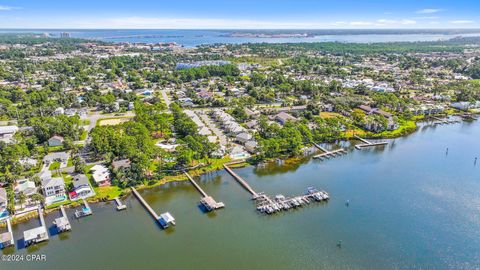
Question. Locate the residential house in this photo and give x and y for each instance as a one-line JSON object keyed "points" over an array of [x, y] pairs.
{"points": [[61, 157], [121, 164], [251, 146], [25, 187], [372, 125], [101, 175], [53, 190], [81, 188], [283, 117], [7, 132], [28, 163], [243, 137]]}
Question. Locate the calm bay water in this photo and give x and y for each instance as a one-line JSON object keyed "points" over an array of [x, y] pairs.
{"points": [[411, 207], [191, 38]]}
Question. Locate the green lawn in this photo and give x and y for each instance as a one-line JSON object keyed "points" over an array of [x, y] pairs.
{"points": [[55, 148], [54, 166], [107, 192], [405, 127]]}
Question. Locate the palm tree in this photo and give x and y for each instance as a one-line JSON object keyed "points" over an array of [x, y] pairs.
{"points": [[38, 198], [22, 199]]}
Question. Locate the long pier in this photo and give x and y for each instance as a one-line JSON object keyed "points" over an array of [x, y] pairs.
{"points": [[207, 201], [145, 204], [328, 154], [241, 181], [367, 143]]}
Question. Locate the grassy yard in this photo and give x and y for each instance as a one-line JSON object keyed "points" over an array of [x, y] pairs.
{"points": [[55, 205], [107, 192], [55, 148], [54, 166]]}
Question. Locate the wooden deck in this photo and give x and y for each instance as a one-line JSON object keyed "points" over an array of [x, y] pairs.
{"points": [[62, 223], [120, 205], [328, 154], [368, 143]]}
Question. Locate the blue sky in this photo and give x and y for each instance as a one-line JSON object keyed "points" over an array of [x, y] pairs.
{"points": [[246, 14]]}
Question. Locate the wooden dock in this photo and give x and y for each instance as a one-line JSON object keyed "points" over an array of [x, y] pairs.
{"points": [[38, 234], [367, 143], [164, 219], [120, 205], [145, 204], [444, 121], [242, 182], [468, 116], [328, 154], [42, 219], [207, 201], [267, 205], [86, 211], [62, 223], [6, 238]]}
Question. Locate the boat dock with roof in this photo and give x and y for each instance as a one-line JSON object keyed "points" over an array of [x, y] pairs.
{"points": [[6, 238], [62, 223], [165, 219], [207, 201], [38, 234]]}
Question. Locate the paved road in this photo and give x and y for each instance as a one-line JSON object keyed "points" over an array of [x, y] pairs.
{"points": [[165, 97], [206, 119]]}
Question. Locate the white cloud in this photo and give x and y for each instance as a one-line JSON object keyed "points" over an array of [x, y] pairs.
{"points": [[462, 22], [361, 23], [427, 18], [6, 8], [386, 22], [428, 10]]}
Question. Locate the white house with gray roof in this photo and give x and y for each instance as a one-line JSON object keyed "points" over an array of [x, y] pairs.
{"points": [[53, 190]]}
